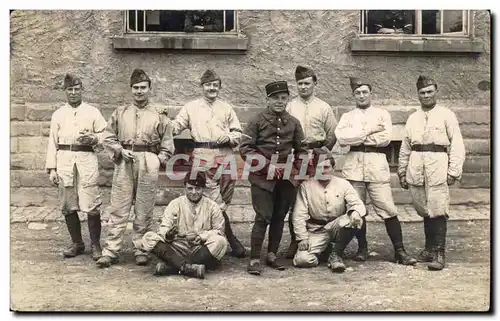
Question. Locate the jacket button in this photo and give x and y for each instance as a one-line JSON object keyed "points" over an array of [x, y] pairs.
{"points": [[277, 152], [277, 143]]}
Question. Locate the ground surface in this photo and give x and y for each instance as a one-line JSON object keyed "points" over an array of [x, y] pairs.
{"points": [[42, 281]]}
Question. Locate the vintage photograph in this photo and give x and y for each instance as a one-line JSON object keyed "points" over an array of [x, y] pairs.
{"points": [[250, 160]]}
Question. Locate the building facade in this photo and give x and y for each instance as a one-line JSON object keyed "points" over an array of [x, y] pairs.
{"points": [[248, 49]]}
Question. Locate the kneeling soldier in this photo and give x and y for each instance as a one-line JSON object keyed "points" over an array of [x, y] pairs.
{"points": [[327, 210], [191, 234]]}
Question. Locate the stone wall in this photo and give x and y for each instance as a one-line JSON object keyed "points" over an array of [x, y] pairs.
{"points": [[47, 44]]}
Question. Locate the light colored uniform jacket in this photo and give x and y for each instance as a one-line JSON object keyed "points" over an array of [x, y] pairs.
{"points": [[323, 203], [354, 129], [65, 127], [317, 119], [207, 122], [438, 126]]}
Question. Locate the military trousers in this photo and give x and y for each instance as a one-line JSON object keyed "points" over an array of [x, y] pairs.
{"points": [[270, 209], [133, 182]]}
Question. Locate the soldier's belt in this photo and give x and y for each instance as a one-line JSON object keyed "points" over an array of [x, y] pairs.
{"points": [[317, 221], [75, 148], [139, 148], [317, 144], [367, 149], [429, 148], [210, 145]]}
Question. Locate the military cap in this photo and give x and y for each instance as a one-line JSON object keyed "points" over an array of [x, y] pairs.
{"points": [[70, 81], [277, 87], [304, 72], [208, 76], [200, 180], [424, 81], [139, 75], [356, 82]]}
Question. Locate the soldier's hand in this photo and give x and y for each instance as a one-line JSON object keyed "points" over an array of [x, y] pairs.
{"points": [[356, 219], [304, 245], [450, 180], [54, 179], [378, 128], [88, 139], [402, 181], [128, 155], [197, 240], [223, 140]]}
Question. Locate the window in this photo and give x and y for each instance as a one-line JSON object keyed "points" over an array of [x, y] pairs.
{"points": [[191, 21], [392, 154], [415, 22]]}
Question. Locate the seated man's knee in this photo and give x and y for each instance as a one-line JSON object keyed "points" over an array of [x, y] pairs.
{"points": [[149, 241], [305, 259], [217, 244]]}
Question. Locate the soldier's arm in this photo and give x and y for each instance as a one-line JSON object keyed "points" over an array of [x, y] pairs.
{"points": [[217, 223], [167, 147], [298, 145], [181, 121], [301, 215], [234, 128], [110, 136], [347, 134], [330, 123], [404, 152], [353, 202], [456, 149], [248, 143], [169, 219], [51, 158], [383, 138]]}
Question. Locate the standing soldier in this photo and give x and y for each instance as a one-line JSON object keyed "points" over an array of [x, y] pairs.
{"points": [[431, 158], [216, 130], [272, 132], [318, 123], [367, 129], [72, 164], [139, 141]]}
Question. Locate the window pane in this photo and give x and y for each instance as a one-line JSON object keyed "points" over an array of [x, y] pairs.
{"points": [[450, 20], [390, 22], [204, 21], [430, 23]]}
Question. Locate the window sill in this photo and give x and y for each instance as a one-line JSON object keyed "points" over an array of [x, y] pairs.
{"points": [[414, 44], [214, 43]]}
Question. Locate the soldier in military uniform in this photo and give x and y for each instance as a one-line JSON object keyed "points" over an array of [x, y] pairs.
{"points": [[431, 158], [318, 121], [72, 165], [366, 129], [216, 130], [138, 140], [273, 131], [190, 238]]}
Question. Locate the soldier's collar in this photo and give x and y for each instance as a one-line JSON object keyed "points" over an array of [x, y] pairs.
{"points": [[310, 100], [273, 118]]}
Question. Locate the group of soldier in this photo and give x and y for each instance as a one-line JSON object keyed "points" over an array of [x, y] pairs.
{"points": [[325, 214]]}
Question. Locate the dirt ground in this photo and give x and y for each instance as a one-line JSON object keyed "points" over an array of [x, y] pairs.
{"points": [[41, 280]]}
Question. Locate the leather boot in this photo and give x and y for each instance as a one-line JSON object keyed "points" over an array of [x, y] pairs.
{"points": [[427, 253], [167, 254], [106, 261], [404, 258], [163, 268], [438, 259], [335, 260], [204, 257], [75, 231], [237, 249], [94, 223], [362, 254]]}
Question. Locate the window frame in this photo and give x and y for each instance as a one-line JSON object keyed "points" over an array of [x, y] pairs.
{"points": [[467, 16], [128, 31]]}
